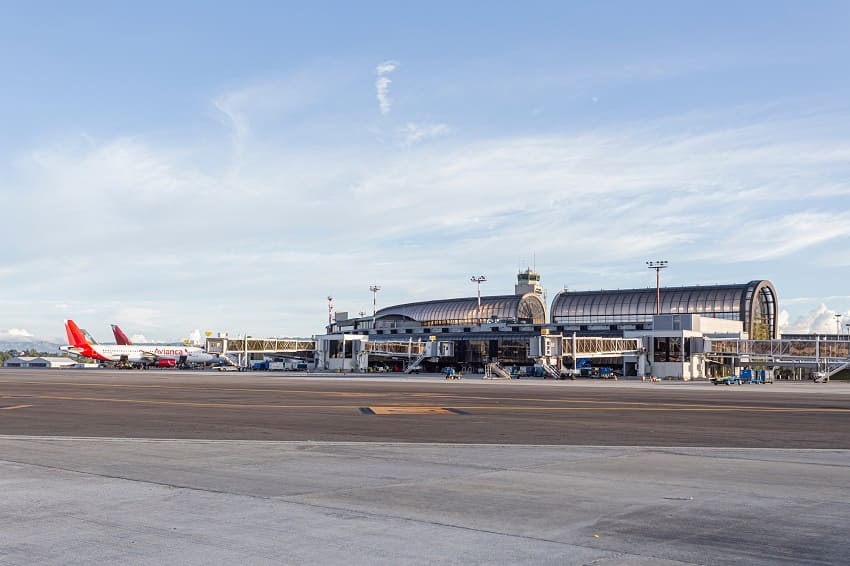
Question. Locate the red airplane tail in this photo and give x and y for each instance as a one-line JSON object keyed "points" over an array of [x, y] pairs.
{"points": [[120, 338], [69, 334], [75, 335]]}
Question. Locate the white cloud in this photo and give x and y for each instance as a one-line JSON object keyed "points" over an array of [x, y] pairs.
{"points": [[229, 105], [195, 337], [127, 218], [16, 334], [387, 67], [818, 320], [382, 84], [781, 235], [139, 338], [415, 133]]}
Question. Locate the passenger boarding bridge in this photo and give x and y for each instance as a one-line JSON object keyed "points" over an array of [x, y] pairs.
{"points": [[826, 356], [291, 346], [584, 346]]}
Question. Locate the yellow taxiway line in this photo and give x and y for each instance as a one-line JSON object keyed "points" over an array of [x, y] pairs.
{"points": [[464, 407], [443, 397]]}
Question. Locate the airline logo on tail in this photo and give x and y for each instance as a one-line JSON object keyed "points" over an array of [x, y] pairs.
{"points": [[78, 343], [120, 338]]}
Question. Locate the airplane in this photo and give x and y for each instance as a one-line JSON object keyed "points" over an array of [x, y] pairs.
{"points": [[163, 356]]}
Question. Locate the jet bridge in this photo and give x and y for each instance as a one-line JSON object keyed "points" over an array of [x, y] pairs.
{"points": [[827, 357], [550, 350], [359, 351], [260, 345], [584, 346], [429, 349]]}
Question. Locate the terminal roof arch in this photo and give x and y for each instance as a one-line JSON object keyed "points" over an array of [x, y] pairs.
{"points": [[754, 303], [528, 308]]}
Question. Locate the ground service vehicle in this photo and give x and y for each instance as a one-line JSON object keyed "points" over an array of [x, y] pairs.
{"points": [[728, 380], [450, 373]]}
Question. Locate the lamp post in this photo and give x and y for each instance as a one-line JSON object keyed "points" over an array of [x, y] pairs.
{"points": [[837, 325], [478, 280], [657, 266], [374, 289], [330, 311]]}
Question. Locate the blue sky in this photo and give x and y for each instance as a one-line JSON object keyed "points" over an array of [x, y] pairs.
{"points": [[226, 166]]}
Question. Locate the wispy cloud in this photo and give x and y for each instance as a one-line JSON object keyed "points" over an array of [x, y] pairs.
{"points": [[382, 84], [413, 134], [229, 106]]}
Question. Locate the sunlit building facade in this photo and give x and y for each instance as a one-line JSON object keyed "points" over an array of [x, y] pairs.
{"points": [[755, 304]]}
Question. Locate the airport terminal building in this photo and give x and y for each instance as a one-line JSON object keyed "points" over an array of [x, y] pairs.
{"points": [[518, 331], [754, 304]]}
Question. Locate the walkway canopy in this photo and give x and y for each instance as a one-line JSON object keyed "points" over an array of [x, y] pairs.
{"points": [[528, 308], [754, 303]]}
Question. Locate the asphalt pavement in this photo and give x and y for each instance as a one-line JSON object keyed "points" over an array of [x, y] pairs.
{"points": [[199, 468]]}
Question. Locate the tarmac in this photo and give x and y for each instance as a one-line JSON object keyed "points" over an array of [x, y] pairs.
{"points": [[186, 499]]}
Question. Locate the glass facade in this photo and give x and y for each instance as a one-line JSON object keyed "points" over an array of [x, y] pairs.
{"points": [[753, 303], [507, 350], [528, 308], [671, 349]]}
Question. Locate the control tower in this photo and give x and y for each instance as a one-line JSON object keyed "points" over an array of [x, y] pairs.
{"points": [[528, 281]]}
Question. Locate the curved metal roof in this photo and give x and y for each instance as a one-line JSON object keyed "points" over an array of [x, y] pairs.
{"points": [[755, 303], [520, 308]]}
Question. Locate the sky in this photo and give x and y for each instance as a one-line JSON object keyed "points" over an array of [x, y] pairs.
{"points": [[227, 166]]}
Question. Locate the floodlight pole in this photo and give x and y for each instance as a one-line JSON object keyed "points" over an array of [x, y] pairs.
{"points": [[478, 280], [374, 289], [837, 324], [330, 310], [657, 266]]}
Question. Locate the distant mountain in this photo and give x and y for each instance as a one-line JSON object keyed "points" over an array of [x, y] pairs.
{"points": [[37, 345]]}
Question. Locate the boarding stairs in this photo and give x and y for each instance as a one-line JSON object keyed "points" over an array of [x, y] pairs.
{"points": [[494, 370], [824, 376], [550, 370], [227, 359], [414, 365]]}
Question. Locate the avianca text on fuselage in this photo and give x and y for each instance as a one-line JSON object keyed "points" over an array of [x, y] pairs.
{"points": [[175, 352]]}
